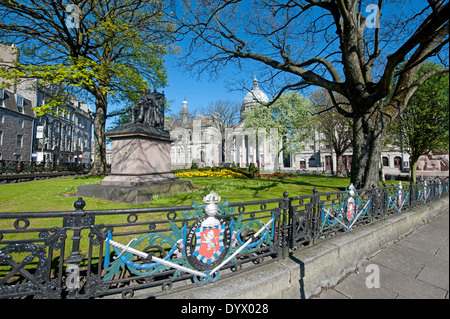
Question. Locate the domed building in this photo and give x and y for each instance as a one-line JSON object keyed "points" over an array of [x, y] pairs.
{"points": [[254, 97], [197, 140]]}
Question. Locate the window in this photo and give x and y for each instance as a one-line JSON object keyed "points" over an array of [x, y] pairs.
{"points": [[302, 164], [19, 100], [1, 138], [2, 94], [398, 162], [19, 140], [21, 125], [19, 103]]}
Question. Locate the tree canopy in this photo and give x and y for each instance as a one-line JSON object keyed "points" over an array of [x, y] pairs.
{"points": [[423, 126], [108, 50]]}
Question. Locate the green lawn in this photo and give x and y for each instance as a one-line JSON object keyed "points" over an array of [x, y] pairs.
{"points": [[60, 194]]}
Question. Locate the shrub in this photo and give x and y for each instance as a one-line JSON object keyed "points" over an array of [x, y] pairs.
{"points": [[253, 170]]}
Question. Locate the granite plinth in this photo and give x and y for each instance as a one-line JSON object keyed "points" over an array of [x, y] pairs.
{"points": [[140, 156], [129, 180], [140, 166], [134, 195]]}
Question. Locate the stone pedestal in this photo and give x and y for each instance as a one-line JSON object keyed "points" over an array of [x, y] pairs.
{"points": [[140, 166]]}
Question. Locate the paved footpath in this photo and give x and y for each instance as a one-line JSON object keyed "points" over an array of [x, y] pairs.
{"points": [[414, 267]]}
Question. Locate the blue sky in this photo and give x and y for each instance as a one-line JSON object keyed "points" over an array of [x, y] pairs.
{"points": [[198, 91]]}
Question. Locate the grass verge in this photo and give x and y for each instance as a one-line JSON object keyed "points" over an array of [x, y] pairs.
{"points": [[60, 194]]}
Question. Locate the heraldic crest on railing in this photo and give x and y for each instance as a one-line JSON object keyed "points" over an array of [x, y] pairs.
{"points": [[212, 242]]}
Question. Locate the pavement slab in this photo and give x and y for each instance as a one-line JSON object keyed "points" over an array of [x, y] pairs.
{"points": [[413, 267]]}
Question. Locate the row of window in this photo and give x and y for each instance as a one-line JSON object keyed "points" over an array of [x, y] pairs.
{"points": [[19, 139], [17, 157], [80, 122]]}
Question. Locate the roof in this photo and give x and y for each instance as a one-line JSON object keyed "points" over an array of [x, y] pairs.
{"points": [[255, 96], [10, 103]]}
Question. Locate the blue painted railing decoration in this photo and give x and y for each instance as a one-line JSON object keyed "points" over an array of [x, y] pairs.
{"points": [[346, 212], [400, 197], [202, 251]]}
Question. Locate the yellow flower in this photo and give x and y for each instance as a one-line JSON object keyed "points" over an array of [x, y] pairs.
{"points": [[224, 173]]}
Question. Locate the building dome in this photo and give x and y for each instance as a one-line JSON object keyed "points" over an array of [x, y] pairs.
{"points": [[254, 97]]}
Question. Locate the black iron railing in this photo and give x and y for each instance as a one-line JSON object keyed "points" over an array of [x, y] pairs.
{"points": [[28, 167], [92, 253]]}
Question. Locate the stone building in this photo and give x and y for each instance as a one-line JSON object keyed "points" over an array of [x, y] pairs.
{"points": [[67, 135], [16, 127], [197, 140]]}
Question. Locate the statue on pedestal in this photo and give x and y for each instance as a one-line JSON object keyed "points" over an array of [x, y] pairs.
{"points": [[140, 157], [149, 109]]}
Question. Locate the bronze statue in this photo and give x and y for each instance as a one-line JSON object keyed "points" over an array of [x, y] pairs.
{"points": [[149, 109]]}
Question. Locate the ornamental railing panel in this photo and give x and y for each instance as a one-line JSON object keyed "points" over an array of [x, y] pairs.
{"points": [[29, 167], [153, 251]]}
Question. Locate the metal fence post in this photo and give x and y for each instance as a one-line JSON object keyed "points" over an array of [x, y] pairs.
{"points": [[315, 213], [375, 202], [412, 195], [385, 200], [73, 270], [285, 225]]}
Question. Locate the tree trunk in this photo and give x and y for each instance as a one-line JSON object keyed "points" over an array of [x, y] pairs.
{"points": [[368, 131], [100, 166], [339, 171], [414, 161]]}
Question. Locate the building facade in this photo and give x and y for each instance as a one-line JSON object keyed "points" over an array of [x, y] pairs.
{"points": [[66, 136], [58, 138], [16, 127], [196, 140]]}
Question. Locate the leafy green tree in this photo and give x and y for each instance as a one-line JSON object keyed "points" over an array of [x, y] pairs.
{"points": [[423, 127], [108, 50], [291, 115]]}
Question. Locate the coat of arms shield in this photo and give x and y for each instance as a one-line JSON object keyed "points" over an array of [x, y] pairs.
{"points": [[350, 209], [206, 246]]}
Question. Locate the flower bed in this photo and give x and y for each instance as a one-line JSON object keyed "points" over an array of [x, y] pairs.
{"points": [[223, 173]]}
